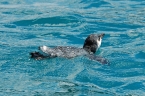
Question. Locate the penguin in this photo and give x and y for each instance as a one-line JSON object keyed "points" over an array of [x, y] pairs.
{"points": [[91, 45]]}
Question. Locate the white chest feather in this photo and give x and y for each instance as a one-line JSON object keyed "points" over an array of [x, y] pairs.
{"points": [[99, 43]]}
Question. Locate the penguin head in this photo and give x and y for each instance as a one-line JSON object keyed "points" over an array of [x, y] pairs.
{"points": [[93, 42]]}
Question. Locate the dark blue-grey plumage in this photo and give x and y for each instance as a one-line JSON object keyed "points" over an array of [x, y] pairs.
{"points": [[91, 45]]}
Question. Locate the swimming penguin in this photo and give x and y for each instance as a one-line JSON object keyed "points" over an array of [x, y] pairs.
{"points": [[91, 45]]}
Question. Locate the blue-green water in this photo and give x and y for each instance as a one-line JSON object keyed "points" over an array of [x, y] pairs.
{"points": [[27, 24]]}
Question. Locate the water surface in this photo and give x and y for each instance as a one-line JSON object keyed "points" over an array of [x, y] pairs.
{"points": [[27, 24]]}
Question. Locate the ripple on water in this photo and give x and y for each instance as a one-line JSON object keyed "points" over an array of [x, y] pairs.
{"points": [[25, 25]]}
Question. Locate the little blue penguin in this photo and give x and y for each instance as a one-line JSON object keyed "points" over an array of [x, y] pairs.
{"points": [[91, 45]]}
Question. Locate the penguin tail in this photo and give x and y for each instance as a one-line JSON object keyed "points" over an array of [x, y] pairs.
{"points": [[37, 55]]}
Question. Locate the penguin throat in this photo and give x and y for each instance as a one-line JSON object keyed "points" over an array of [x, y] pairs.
{"points": [[99, 43]]}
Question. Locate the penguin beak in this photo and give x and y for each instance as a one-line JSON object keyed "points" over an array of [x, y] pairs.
{"points": [[102, 35]]}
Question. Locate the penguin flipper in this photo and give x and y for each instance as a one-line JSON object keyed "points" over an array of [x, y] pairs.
{"points": [[98, 58]]}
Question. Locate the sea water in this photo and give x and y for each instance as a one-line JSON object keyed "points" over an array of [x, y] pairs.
{"points": [[27, 24]]}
